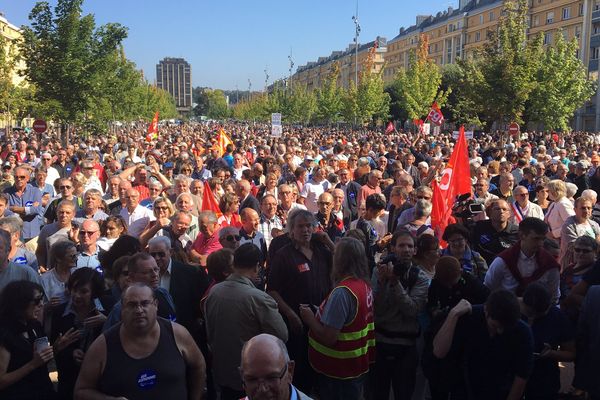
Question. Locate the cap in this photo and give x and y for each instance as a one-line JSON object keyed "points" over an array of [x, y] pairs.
{"points": [[168, 165], [583, 164], [6, 164], [309, 157]]}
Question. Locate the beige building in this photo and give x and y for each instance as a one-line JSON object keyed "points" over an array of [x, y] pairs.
{"points": [[11, 34], [313, 74]]}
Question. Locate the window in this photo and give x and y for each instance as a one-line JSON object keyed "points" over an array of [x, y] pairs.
{"points": [[536, 20], [581, 9], [566, 13], [550, 17], [491, 15], [477, 36], [481, 19], [577, 31], [547, 38], [595, 53]]}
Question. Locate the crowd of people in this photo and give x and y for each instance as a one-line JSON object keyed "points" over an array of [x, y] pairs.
{"points": [[296, 267]]}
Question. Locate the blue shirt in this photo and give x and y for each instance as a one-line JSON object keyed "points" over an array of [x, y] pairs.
{"points": [[31, 221]]}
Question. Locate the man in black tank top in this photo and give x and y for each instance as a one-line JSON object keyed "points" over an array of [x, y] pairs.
{"points": [[143, 357]]}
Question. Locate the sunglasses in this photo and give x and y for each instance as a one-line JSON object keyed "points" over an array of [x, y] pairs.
{"points": [[87, 233], [65, 187], [231, 238], [20, 177]]}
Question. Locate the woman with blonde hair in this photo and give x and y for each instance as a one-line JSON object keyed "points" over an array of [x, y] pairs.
{"points": [[163, 211], [561, 208]]}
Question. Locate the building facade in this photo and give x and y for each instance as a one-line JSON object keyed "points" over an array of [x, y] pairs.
{"points": [[11, 34], [175, 76], [313, 74]]}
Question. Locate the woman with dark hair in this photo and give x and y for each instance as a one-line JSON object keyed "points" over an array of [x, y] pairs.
{"points": [[23, 371], [428, 254], [80, 316], [344, 324], [125, 245], [457, 236], [229, 204], [111, 229], [63, 259]]}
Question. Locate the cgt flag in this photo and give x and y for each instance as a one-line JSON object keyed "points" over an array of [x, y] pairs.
{"points": [[435, 115], [455, 180], [153, 129], [209, 203], [390, 128]]}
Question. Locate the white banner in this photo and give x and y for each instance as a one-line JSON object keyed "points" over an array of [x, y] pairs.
{"points": [[468, 134]]}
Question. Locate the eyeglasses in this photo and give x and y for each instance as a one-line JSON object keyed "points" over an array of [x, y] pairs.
{"points": [[132, 305], [88, 168], [186, 170], [47, 159], [423, 197], [158, 254], [38, 300], [520, 194], [269, 381], [87, 233], [20, 177], [583, 251], [231, 238], [161, 208]]}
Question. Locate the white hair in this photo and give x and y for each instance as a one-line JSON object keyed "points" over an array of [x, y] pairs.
{"points": [[590, 194]]}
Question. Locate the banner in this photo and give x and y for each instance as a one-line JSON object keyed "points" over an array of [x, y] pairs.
{"points": [[153, 129]]}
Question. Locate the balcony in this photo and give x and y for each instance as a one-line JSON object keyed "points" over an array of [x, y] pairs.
{"points": [[595, 40], [596, 16], [593, 66]]}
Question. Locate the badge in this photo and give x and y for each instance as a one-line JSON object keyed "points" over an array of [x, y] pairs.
{"points": [[303, 267], [20, 260], [146, 379], [29, 204]]}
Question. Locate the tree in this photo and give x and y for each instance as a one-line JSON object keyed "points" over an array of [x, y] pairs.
{"points": [[329, 100], [562, 85], [217, 104], [66, 56], [417, 87]]}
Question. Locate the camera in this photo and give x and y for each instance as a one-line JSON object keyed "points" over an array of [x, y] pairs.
{"points": [[465, 207], [399, 266]]}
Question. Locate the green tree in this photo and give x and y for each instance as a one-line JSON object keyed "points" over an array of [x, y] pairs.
{"points": [[329, 99], [562, 85], [350, 109], [65, 56], [414, 89], [217, 104]]}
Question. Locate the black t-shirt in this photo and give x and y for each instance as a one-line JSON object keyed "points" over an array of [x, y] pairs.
{"points": [[489, 242], [553, 328], [299, 280], [491, 363]]}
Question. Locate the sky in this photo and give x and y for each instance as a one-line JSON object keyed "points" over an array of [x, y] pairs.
{"points": [[229, 42]]}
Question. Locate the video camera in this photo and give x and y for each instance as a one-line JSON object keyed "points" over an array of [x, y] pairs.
{"points": [[466, 207]]}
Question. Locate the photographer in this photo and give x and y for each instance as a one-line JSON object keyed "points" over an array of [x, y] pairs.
{"points": [[400, 292]]}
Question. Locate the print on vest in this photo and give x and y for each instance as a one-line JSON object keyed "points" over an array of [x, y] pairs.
{"points": [[20, 260], [146, 379], [29, 204]]}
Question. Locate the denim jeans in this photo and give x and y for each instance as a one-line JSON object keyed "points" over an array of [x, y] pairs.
{"points": [[395, 365], [340, 389]]}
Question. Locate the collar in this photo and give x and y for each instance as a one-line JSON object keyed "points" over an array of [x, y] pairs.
{"points": [[169, 267], [522, 256], [237, 277]]}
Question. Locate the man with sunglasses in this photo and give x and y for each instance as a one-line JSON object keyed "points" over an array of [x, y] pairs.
{"points": [[89, 252], [26, 200], [229, 237]]}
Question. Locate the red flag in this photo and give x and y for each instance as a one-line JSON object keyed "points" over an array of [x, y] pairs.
{"points": [[435, 115], [389, 128], [209, 203], [153, 129], [455, 180]]}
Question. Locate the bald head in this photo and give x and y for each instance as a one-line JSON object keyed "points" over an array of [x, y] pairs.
{"points": [[266, 348], [250, 220]]}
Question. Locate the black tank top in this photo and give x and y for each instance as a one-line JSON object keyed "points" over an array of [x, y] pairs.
{"points": [[161, 375]]}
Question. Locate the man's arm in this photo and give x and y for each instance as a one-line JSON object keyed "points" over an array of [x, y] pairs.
{"points": [[270, 319], [493, 276], [86, 387], [445, 336], [194, 360], [293, 318], [126, 174]]}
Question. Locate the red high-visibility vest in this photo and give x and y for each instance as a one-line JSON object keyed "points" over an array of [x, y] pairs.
{"points": [[354, 350]]}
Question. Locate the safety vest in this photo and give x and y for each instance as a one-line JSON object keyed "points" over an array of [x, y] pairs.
{"points": [[354, 349]]}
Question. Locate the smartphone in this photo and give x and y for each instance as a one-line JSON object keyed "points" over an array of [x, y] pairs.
{"points": [[41, 344]]}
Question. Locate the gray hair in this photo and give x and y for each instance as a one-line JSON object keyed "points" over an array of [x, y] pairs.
{"points": [[423, 208], [296, 214], [228, 230], [185, 194], [156, 240], [210, 216], [12, 224], [59, 249], [590, 194], [183, 178], [571, 189]]}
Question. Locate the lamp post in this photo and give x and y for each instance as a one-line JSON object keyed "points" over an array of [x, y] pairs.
{"points": [[266, 79], [291, 67], [356, 35]]}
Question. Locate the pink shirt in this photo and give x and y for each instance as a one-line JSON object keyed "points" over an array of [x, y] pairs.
{"points": [[205, 246]]}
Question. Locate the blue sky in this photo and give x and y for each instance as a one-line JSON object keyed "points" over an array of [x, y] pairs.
{"points": [[228, 42]]}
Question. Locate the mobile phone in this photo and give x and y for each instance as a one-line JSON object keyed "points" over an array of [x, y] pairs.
{"points": [[40, 344]]}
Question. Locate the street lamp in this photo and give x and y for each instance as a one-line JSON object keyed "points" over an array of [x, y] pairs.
{"points": [[291, 67], [356, 35], [249, 89], [266, 79]]}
